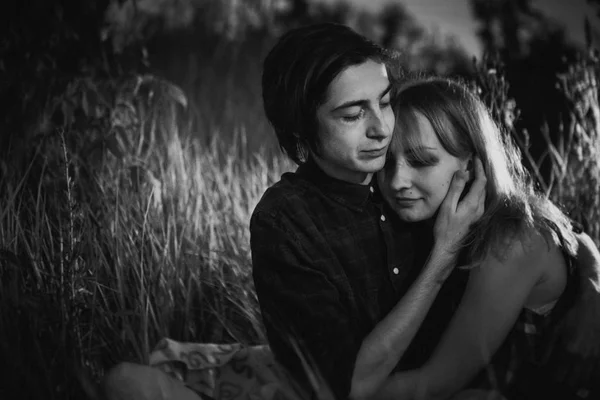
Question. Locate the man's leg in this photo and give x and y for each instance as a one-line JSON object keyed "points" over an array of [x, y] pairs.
{"points": [[127, 381]]}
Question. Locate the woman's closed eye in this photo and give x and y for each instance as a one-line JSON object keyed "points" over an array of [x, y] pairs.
{"points": [[420, 162], [390, 162], [385, 103]]}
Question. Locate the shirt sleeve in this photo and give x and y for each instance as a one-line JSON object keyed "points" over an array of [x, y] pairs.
{"points": [[301, 304]]}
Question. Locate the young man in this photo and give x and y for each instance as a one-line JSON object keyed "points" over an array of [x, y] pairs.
{"points": [[341, 290], [334, 269]]}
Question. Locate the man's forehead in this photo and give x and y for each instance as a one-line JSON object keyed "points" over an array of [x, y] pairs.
{"points": [[368, 67], [359, 81]]}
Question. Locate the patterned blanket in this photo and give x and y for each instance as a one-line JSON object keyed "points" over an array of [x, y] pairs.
{"points": [[225, 371]]}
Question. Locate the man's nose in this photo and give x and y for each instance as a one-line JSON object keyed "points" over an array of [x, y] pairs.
{"points": [[378, 128]]}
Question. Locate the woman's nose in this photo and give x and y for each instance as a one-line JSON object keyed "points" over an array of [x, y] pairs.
{"points": [[400, 176]]}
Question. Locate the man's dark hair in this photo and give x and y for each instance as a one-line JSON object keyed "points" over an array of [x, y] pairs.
{"points": [[297, 73]]}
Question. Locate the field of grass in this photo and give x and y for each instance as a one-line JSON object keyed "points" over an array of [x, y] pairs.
{"points": [[99, 261], [114, 237]]}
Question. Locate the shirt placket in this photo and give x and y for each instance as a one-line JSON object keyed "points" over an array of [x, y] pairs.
{"points": [[399, 253]]}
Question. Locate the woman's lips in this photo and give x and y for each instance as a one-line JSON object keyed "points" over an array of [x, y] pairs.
{"points": [[375, 152], [405, 201]]}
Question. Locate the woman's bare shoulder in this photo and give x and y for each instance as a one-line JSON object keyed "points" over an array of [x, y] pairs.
{"points": [[527, 253], [530, 243]]}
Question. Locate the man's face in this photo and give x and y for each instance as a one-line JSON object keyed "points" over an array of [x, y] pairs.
{"points": [[416, 186], [355, 123]]}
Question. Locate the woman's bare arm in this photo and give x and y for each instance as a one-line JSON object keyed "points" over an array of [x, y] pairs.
{"points": [[384, 346], [495, 295]]}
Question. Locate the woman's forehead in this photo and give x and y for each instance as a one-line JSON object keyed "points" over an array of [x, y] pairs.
{"points": [[414, 129]]}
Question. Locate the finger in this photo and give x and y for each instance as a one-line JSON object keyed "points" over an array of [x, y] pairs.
{"points": [[481, 205], [480, 181], [457, 185], [477, 189]]}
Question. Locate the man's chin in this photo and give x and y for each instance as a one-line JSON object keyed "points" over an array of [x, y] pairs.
{"points": [[374, 165]]}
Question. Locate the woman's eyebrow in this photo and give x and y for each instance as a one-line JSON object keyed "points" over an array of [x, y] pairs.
{"points": [[386, 91], [417, 149], [425, 148]]}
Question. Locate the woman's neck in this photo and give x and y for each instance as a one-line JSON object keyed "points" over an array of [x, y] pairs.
{"points": [[424, 228], [423, 234]]}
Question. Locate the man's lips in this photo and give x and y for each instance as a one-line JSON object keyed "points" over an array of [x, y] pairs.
{"points": [[376, 152]]}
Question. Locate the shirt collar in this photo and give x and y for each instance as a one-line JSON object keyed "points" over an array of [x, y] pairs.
{"points": [[352, 195]]}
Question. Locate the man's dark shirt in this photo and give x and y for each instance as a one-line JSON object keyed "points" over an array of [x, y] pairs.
{"points": [[330, 260]]}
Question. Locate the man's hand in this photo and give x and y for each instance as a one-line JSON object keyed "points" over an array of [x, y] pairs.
{"points": [[574, 348], [455, 215]]}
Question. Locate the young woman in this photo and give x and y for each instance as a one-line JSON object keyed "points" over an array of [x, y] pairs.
{"points": [[518, 255]]}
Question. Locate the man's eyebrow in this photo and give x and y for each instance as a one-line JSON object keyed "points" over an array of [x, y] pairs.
{"points": [[352, 103], [361, 102]]}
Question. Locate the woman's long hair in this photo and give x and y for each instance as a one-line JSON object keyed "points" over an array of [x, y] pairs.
{"points": [[465, 128]]}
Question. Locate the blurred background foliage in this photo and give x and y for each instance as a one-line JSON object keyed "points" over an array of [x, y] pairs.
{"points": [[211, 49], [133, 149]]}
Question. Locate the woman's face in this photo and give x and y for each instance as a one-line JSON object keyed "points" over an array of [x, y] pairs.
{"points": [[416, 186]]}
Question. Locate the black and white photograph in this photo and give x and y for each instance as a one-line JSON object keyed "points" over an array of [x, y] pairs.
{"points": [[299, 199]]}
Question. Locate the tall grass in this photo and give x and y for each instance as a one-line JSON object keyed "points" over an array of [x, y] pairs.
{"points": [[573, 180], [100, 260], [118, 233]]}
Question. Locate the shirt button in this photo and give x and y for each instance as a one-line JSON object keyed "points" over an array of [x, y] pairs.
{"points": [[396, 271], [383, 218], [371, 189]]}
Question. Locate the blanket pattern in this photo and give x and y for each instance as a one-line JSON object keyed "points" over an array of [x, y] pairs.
{"points": [[225, 371]]}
